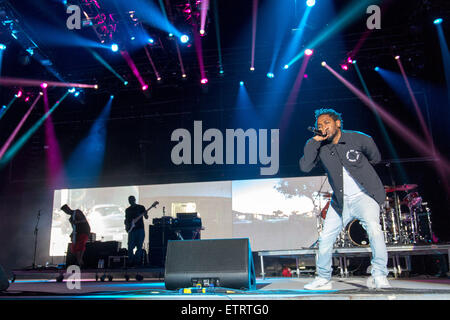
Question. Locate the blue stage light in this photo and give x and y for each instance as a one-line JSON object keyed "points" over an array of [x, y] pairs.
{"points": [[310, 3], [241, 83], [114, 47], [2, 46], [76, 94], [286, 66], [438, 21], [125, 83], [377, 68], [150, 40], [270, 75], [184, 38]]}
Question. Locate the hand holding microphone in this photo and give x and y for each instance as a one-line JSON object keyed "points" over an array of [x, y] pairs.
{"points": [[319, 136]]}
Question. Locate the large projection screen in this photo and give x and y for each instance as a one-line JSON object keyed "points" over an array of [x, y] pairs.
{"points": [[275, 214]]}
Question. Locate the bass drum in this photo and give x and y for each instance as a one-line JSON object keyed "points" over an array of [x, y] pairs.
{"points": [[357, 234]]}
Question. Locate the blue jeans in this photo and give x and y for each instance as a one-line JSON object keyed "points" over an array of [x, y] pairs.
{"points": [[367, 211], [135, 240]]}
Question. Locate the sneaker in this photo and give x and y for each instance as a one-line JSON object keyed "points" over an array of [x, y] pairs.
{"points": [[318, 284], [379, 282]]}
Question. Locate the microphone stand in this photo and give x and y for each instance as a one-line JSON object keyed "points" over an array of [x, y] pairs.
{"points": [[36, 229], [318, 216]]}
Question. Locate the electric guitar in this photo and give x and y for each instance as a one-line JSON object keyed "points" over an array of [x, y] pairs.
{"points": [[129, 226]]}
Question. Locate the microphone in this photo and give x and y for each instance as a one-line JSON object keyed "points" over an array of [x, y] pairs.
{"points": [[317, 132]]}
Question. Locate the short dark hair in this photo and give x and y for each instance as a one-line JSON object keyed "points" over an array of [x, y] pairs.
{"points": [[330, 112], [66, 208]]}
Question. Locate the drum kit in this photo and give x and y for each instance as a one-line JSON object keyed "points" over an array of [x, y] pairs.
{"points": [[404, 220]]}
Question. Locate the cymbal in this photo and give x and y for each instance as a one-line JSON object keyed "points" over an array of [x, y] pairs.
{"points": [[404, 187]]}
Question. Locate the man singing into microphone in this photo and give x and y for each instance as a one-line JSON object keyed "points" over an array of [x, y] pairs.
{"points": [[347, 156]]}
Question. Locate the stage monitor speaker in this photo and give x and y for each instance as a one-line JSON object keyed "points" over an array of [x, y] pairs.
{"points": [[223, 263], [4, 282]]}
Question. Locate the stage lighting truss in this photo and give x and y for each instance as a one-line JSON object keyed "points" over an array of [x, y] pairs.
{"points": [[12, 23]]}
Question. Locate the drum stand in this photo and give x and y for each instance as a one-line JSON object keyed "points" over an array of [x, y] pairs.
{"points": [[384, 227], [429, 221]]}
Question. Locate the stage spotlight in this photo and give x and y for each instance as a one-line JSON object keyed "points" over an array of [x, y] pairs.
{"points": [[72, 90], [111, 96], [96, 87], [305, 76], [171, 35], [76, 94], [27, 99], [184, 38], [310, 3], [2, 46], [133, 38], [308, 52], [354, 61], [19, 94], [184, 75], [344, 67], [377, 68], [114, 47], [349, 60], [151, 41], [221, 71], [144, 87], [159, 78], [44, 85], [202, 32], [241, 83], [125, 83], [252, 68], [204, 81], [397, 57], [41, 93], [286, 66], [323, 63], [438, 21], [270, 75]]}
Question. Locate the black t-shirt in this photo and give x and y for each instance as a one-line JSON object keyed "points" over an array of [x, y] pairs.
{"points": [[133, 212], [82, 227]]}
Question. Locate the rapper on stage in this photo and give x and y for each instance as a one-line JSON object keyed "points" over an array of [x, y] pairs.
{"points": [[348, 158]]}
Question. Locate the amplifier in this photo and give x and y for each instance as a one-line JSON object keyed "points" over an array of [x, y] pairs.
{"points": [[95, 251], [162, 221]]}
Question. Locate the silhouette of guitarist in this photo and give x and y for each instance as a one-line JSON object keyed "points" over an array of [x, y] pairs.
{"points": [[134, 225]]}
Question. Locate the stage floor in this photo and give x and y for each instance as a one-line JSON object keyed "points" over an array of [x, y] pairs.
{"points": [[351, 288]]}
